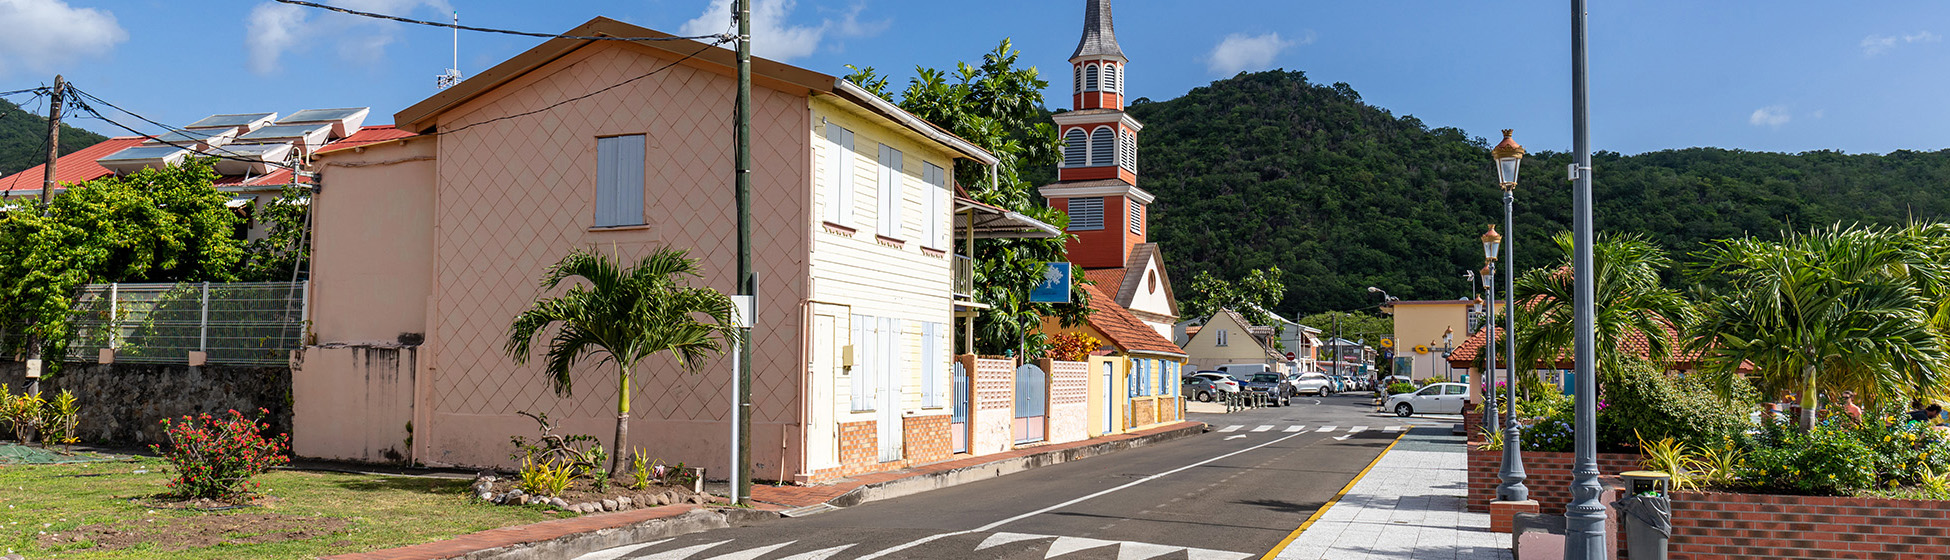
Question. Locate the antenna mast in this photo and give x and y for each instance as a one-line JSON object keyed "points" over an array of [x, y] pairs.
{"points": [[452, 76]]}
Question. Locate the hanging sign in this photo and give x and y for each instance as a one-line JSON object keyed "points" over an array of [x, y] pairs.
{"points": [[1056, 284]]}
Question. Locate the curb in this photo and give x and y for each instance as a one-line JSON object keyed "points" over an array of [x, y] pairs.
{"points": [[572, 537], [954, 477]]}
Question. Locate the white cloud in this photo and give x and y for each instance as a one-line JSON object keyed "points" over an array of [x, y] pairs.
{"points": [[774, 37], [1878, 44], [1772, 116], [1240, 52], [41, 34], [273, 29]]}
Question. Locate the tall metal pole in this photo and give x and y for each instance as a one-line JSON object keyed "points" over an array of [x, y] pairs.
{"points": [[1585, 517], [741, 481], [1489, 346], [1512, 489]]}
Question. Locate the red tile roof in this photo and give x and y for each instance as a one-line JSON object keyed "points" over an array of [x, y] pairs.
{"points": [[1124, 329], [1635, 343], [1110, 280], [80, 165]]}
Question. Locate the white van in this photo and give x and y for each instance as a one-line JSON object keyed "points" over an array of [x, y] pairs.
{"points": [[1244, 371]]}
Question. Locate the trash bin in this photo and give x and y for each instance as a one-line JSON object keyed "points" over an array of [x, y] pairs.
{"points": [[1647, 512]]}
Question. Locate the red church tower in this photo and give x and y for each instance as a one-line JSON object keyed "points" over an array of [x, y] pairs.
{"points": [[1097, 179]]}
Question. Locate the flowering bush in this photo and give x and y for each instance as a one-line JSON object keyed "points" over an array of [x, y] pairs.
{"points": [[215, 457], [1073, 346], [1825, 461]]}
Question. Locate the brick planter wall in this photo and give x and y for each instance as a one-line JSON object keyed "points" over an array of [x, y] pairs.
{"points": [[1711, 526], [1547, 475], [926, 439]]}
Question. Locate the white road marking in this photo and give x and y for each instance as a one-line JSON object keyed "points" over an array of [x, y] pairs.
{"points": [[753, 554], [1000, 539], [1099, 494], [1357, 429], [1326, 428], [1232, 428], [1393, 429], [1263, 428], [1230, 438], [1291, 429], [1066, 545], [1142, 551], [618, 552], [1196, 554], [682, 553], [819, 554]]}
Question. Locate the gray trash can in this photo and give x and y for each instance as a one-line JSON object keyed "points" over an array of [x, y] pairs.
{"points": [[1647, 512]]}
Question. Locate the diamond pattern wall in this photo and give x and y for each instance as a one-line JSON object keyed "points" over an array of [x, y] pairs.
{"points": [[517, 194]]}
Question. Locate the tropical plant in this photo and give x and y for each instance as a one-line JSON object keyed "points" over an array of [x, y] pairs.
{"points": [[543, 478], [1719, 465], [59, 417], [639, 470], [22, 413], [1631, 303], [216, 456], [1835, 308], [1492, 439], [621, 317], [1675, 458], [997, 105], [1646, 404]]}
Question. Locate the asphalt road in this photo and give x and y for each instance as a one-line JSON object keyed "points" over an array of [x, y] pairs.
{"points": [[1231, 493]]}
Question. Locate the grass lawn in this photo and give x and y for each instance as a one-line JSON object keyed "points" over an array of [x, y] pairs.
{"points": [[85, 511]]}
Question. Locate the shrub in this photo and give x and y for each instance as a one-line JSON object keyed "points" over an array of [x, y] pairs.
{"points": [[1400, 387], [58, 420], [1675, 458], [545, 478], [1543, 405], [1824, 461], [639, 470], [215, 457], [1903, 452], [22, 413], [1641, 402], [1072, 346], [1552, 434]]}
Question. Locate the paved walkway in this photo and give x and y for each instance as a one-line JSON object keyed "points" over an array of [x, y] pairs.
{"points": [[1408, 506]]}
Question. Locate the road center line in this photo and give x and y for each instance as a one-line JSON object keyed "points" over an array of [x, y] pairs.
{"points": [[992, 526]]}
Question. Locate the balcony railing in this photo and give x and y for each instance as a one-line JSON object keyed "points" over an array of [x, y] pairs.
{"points": [[964, 277]]}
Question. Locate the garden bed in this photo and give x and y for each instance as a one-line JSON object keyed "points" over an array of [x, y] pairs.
{"points": [[115, 510]]}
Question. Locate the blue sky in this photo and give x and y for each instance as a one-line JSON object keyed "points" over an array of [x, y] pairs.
{"points": [[1784, 75]]}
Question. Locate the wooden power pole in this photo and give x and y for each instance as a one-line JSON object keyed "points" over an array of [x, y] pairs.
{"points": [[53, 141]]}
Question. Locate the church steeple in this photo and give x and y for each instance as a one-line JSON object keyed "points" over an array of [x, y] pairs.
{"points": [[1097, 179]]}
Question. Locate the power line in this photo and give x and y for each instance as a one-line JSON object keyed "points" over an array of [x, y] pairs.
{"points": [[37, 91], [82, 105], [444, 25]]}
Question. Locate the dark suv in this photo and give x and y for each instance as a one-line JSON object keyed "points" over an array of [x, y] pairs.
{"points": [[1275, 387]]}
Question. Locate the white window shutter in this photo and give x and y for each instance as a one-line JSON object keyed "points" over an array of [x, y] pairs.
{"points": [[894, 360], [862, 371], [930, 387], [837, 174]]}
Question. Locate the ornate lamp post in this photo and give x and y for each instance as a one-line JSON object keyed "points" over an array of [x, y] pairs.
{"points": [[1509, 158], [1491, 241]]}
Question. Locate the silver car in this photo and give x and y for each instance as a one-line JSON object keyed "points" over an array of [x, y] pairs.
{"points": [[1311, 384]]}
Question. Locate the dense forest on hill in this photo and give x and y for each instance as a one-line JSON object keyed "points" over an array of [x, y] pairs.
{"points": [[1269, 169], [23, 139]]}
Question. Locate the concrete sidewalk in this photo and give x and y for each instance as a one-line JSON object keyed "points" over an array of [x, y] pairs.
{"points": [[1409, 505]]}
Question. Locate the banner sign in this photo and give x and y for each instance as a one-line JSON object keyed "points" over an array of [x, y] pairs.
{"points": [[1056, 284]]}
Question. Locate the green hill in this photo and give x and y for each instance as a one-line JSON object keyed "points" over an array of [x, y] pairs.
{"points": [[1270, 169], [23, 139]]}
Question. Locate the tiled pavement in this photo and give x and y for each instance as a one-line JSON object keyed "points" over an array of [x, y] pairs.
{"points": [[1409, 506]]}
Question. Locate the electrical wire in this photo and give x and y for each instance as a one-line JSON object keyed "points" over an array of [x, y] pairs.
{"points": [[444, 25], [659, 70], [37, 90], [85, 107]]}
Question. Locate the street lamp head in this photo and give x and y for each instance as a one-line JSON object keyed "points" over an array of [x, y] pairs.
{"points": [[1488, 276], [1491, 242], [1509, 157], [1374, 290]]}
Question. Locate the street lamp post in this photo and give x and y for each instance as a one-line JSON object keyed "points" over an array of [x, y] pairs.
{"points": [[1584, 518], [1509, 158], [1491, 241]]}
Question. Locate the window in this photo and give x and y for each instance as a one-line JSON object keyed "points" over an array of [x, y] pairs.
{"points": [[937, 206], [1077, 72], [1430, 392], [1110, 77], [891, 193], [1136, 216], [1086, 213], [1144, 377], [1103, 147], [865, 333], [1127, 150], [619, 181], [934, 363], [1222, 337], [1076, 148], [837, 175], [1090, 78], [1454, 389]]}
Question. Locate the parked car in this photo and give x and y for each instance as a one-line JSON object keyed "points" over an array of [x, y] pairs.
{"points": [[1317, 384], [1205, 386], [1437, 398], [1244, 371], [1274, 385], [1345, 383]]}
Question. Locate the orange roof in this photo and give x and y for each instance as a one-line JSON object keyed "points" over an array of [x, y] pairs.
{"points": [[1108, 279], [1635, 342], [1124, 329], [80, 166], [75, 167]]}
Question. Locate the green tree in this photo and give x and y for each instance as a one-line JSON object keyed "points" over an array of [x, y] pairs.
{"points": [[997, 105], [1630, 301], [23, 139], [154, 225], [622, 316], [1253, 296], [1834, 308]]}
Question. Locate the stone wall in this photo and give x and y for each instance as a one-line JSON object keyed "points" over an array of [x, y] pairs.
{"points": [[126, 403], [1547, 475], [1712, 526]]}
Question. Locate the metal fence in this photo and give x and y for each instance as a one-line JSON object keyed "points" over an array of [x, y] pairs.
{"points": [[242, 323]]}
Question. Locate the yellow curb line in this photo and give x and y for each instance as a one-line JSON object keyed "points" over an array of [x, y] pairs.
{"points": [[1277, 549]]}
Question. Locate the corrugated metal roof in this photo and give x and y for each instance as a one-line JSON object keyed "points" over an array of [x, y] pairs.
{"points": [[80, 165]]}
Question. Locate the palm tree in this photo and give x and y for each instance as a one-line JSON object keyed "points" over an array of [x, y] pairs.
{"points": [[623, 316], [1831, 309], [1630, 301]]}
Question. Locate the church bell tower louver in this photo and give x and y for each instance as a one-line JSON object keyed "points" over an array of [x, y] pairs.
{"points": [[1097, 179]]}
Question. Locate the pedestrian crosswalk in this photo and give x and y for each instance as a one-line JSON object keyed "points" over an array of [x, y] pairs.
{"points": [[958, 545], [1301, 428]]}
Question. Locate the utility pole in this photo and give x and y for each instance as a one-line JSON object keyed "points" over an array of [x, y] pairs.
{"points": [[741, 476], [1584, 518], [1337, 344], [53, 140]]}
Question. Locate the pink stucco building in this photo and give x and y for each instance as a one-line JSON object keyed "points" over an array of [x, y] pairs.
{"points": [[428, 245]]}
